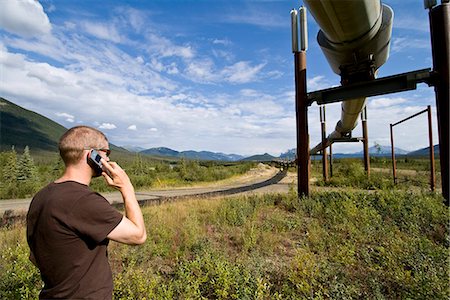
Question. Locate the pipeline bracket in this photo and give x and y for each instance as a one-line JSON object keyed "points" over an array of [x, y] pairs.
{"points": [[385, 85]]}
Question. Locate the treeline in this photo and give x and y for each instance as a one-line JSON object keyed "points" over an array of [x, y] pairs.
{"points": [[22, 175]]}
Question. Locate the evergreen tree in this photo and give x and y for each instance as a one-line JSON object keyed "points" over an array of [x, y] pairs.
{"points": [[9, 173], [26, 170]]}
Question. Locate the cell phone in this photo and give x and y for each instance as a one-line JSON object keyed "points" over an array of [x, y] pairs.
{"points": [[93, 160]]}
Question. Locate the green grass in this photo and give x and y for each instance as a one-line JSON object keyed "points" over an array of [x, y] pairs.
{"points": [[333, 245]]}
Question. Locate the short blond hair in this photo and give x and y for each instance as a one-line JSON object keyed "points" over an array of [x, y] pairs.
{"points": [[79, 138]]}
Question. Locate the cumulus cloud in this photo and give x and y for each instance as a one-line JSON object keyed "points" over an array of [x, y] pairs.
{"points": [[25, 18], [107, 126], [132, 127]]}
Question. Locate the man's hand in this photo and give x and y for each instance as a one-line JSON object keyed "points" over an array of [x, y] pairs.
{"points": [[117, 177], [131, 230]]}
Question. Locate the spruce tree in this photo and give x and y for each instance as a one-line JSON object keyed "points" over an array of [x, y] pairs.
{"points": [[26, 170], [9, 173]]}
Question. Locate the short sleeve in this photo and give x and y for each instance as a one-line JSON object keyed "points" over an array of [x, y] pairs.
{"points": [[94, 217]]}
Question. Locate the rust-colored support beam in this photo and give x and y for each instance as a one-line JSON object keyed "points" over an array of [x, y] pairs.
{"points": [[324, 137], [430, 138], [331, 160], [440, 46], [301, 108], [394, 165], [365, 141]]}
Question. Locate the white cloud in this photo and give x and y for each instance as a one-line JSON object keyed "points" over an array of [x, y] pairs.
{"points": [[102, 31], [68, 117], [132, 127], [206, 71], [318, 83], [224, 42], [400, 43], [153, 129], [25, 18], [242, 72], [107, 126], [386, 102]]}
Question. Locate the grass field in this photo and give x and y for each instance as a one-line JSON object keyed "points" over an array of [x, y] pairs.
{"points": [[354, 244], [353, 238]]}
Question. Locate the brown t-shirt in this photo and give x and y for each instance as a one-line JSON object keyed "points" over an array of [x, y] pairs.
{"points": [[67, 225]]}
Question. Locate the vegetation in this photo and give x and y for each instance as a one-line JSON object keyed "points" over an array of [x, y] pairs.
{"points": [[411, 173], [22, 175], [333, 245]]}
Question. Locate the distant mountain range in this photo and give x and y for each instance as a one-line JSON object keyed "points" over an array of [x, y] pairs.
{"points": [[198, 155], [381, 151], [20, 127]]}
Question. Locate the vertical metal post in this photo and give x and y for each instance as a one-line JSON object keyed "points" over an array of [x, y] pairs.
{"points": [[331, 160], [303, 159], [301, 103], [365, 141], [430, 137], [324, 136], [394, 164], [440, 46]]}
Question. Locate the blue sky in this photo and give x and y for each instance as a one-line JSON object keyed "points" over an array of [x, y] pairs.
{"points": [[193, 75]]}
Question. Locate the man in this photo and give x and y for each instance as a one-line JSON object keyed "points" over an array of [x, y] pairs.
{"points": [[69, 226]]}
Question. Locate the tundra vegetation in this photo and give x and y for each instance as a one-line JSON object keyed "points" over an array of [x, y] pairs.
{"points": [[358, 242]]}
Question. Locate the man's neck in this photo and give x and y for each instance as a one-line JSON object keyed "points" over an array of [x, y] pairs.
{"points": [[74, 173]]}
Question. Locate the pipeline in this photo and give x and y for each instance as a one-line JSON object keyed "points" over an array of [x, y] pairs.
{"points": [[355, 38]]}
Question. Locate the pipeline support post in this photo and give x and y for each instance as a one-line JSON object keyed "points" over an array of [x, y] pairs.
{"points": [[394, 164], [430, 138], [301, 101], [440, 47], [365, 141], [303, 159], [324, 137], [331, 160]]}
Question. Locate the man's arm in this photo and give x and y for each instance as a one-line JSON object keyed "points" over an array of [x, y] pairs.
{"points": [[131, 230]]}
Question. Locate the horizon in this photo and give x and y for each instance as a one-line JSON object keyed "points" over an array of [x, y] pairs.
{"points": [[211, 76]]}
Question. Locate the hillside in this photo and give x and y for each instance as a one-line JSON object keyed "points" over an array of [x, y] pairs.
{"points": [[425, 151], [20, 127]]}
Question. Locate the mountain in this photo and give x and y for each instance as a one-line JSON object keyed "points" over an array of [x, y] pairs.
{"points": [[424, 151], [383, 151], [206, 155], [161, 151], [289, 155], [260, 157], [133, 148], [198, 155], [20, 127]]}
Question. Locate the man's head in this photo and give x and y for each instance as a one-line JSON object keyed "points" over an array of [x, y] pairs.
{"points": [[76, 141]]}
